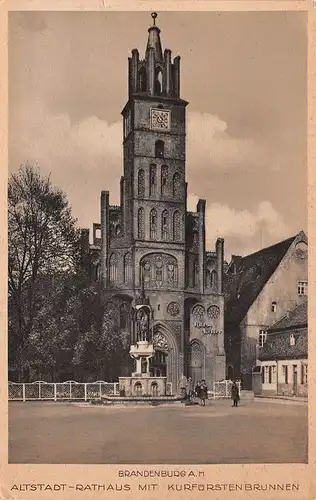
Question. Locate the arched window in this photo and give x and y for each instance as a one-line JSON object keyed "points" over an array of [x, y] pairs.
{"points": [[141, 223], [153, 179], [176, 185], [153, 224], [128, 268], [164, 225], [158, 82], [176, 226], [159, 149], [164, 179], [141, 183], [143, 80], [113, 268]]}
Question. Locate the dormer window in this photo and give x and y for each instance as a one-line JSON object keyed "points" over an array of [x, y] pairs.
{"points": [[292, 339]]}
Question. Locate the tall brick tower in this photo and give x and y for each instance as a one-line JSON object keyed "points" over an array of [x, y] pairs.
{"points": [[154, 153]]}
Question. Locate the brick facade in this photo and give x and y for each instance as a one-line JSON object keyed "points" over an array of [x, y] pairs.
{"points": [[151, 233]]}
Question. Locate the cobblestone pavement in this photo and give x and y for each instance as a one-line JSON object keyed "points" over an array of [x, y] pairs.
{"points": [[66, 433]]}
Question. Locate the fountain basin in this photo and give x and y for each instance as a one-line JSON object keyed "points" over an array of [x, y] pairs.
{"points": [[140, 385]]}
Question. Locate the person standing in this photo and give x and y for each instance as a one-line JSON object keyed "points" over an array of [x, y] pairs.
{"points": [[203, 392], [235, 394], [183, 386], [190, 389], [197, 389]]}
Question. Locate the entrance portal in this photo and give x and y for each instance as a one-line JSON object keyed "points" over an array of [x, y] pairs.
{"points": [[196, 362]]}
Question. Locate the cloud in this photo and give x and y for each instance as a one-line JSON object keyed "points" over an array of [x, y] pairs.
{"points": [[240, 228], [211, 145], [86, 156]]}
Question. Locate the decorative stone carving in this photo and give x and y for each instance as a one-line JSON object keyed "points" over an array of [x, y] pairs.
{"points": [[198, 312], [213, 312], [160, 270], [160, 342], [173, 309]]}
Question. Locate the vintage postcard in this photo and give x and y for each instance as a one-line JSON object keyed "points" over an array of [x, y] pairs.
{"points": [[157, 250]]}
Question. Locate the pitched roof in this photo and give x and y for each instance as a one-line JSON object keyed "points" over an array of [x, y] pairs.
{"points": [[295, 318], [253, 271], [278, 345]]}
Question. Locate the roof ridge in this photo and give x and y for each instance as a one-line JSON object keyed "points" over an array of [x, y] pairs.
{"points": [[292, 238]]}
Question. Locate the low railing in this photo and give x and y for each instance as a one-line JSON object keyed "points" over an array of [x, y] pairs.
{"points": [[70, 390], [58, 391], [223, 389]]}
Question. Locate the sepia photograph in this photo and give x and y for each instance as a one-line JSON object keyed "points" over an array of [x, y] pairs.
{"points": [[157, 237]]}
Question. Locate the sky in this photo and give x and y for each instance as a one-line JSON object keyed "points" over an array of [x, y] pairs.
{"points": [[244, 75]]}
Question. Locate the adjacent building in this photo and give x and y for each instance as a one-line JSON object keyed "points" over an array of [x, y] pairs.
{"points": [[284, 355], [259, 290], [150, 239]]}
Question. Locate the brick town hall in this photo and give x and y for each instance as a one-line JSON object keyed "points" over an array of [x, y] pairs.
{"points": [[150, 240]]}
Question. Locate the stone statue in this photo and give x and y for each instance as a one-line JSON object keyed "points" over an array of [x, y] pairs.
{"points": [[142, 325]]}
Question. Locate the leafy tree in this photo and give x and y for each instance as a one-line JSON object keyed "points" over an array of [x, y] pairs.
{"points": [[43, 242], [101, 351]]}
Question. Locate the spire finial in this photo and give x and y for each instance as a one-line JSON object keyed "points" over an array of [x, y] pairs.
{"points": [[154, 15]]}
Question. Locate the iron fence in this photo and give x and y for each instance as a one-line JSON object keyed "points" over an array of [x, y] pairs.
{"points": [[58, 391], [223, 389], [72, 390]]}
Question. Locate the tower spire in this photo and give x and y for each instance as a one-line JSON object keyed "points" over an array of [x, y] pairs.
{"points": [[154, 40]]}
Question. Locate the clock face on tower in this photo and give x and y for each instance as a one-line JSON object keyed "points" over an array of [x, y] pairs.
{"points": [[160, 119]]}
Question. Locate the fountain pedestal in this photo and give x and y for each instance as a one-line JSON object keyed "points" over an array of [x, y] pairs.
{"points": [[141, 383]]}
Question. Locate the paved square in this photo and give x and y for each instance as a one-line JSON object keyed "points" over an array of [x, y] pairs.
{"points": [[256, 432]]}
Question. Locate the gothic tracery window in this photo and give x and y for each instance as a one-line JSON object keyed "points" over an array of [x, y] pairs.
{"points": [[141, 183], [141, 223], [176, 185], [153, 224], [113, 268], [159, 149], [153, 179], [164, 225], [128, 268], [164, 179], [176, 226]]}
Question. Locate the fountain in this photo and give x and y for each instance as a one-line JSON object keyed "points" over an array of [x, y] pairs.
{"points": [[141, 383]]}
